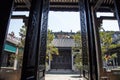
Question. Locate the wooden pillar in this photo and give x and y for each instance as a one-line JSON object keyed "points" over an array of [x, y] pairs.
{"points": [[84, 38], [35, 41], [6, 7], [117, 10], [43, 41], [16, 60], [88, 41], [49, 62], [96, 25], [72, 56]]}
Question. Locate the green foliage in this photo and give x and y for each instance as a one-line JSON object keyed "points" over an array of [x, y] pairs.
{"points": [[106, 38], [20, 47], [77, 49], [114, 56], [50, 37], [22, 34], [77, 39], [12, 58], [51, 49], [78, 61], [19, 58]]}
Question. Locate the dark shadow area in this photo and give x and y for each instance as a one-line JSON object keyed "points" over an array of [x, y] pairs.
{"points": [[76, 76]]}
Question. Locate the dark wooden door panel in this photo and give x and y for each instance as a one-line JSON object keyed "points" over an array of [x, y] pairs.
{"points": [[62, 61]]}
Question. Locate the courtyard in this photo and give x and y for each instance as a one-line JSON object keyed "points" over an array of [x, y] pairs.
{"points": [[63, 77], [95, 51]]}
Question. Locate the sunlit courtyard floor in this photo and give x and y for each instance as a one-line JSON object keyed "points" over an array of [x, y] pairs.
{"points": [[63, 77]]}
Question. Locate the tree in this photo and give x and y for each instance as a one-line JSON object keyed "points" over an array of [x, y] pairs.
{"points": [[107, 43], [22, 34], [18, 56], [51, 49], [77, 50], [20, 47], [77, 39], [78, 62], [106, 40]]}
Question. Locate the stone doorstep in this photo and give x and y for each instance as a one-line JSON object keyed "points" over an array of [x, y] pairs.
{"points": [[61, 71]]}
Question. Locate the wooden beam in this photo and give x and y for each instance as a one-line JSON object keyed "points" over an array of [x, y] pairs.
{"points": [[64, 9], [98, 4], [19, 17], [28, 4], [62, 3], [107, 18]]}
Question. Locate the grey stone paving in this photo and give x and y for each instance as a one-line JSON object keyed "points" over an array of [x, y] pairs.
{"points": [[62, 77]]}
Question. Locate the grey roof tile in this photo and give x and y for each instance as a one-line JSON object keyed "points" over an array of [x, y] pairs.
{"points": [[63, 42]]}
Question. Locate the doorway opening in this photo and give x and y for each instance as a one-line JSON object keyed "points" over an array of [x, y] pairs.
{"points": [[65, 29], [100, 47]]}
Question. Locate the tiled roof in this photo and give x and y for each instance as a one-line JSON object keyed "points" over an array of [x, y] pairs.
{"points": [[63, 42], [13, 40]]}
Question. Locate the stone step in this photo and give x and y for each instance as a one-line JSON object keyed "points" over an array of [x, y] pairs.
{"points": [[61, 71]]}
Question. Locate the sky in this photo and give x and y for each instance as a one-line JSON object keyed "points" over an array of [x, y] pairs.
{"points": [[109, 25], [62, 21], [16, 24]]}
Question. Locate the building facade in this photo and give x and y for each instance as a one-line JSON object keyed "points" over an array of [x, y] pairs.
{"points": [[37, 32], [65, 60], [10, 48]]}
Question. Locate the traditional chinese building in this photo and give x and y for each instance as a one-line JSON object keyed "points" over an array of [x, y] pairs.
{"points": [[10, 48], [64, 42], [35, 46]]}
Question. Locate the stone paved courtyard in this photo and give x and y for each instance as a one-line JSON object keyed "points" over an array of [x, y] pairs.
{"points": [[62, 77]]}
